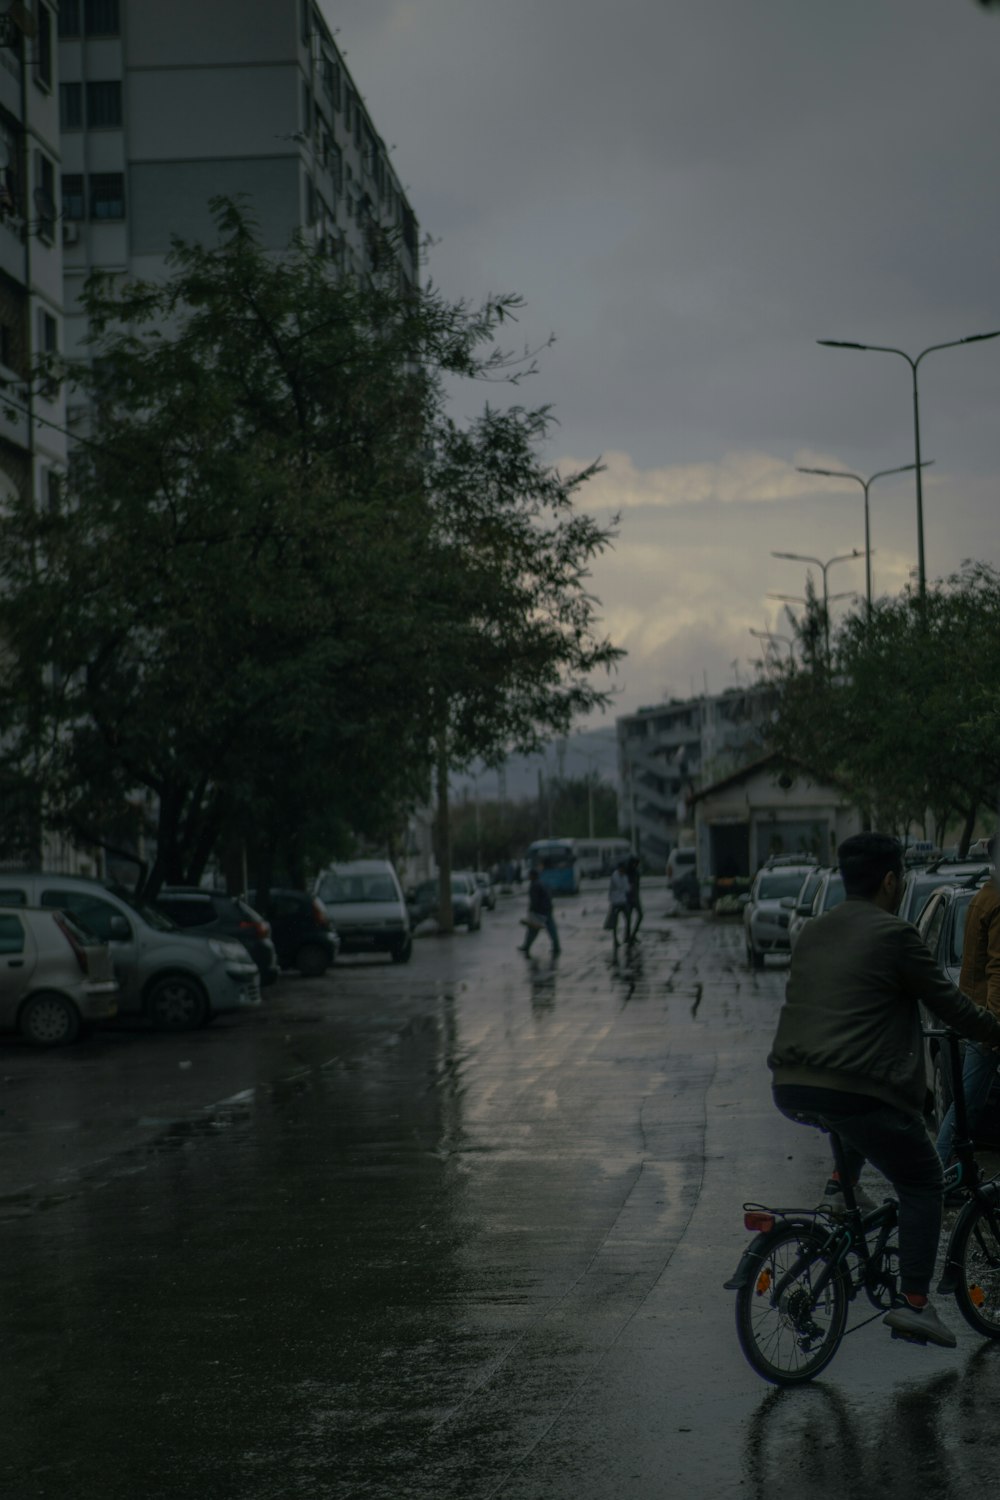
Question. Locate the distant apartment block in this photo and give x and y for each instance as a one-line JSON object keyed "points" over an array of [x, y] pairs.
{"points": [[668, 751], [165, 104]]}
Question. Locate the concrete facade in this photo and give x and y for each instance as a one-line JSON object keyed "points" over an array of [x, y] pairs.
{"points": [[165, 106], [667, 751], [32, 440], [766, 809]]}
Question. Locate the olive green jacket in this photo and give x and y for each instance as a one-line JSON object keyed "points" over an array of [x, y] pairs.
{"points": [[851, 1019]]}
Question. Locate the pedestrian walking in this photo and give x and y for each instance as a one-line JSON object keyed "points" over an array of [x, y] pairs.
{"points": [[539, 914], [618, 896], [632, 925]]}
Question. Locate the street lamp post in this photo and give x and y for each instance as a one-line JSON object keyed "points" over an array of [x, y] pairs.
{"points": [[973, 338], [866, 485], [771, 637], [824, 568]]}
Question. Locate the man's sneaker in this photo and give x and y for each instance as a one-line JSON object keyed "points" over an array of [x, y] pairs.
{"points": [[921, 1324], [832, 1201]]}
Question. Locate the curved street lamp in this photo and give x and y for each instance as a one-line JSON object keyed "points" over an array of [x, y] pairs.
{"points": [[866, 485], [824, 568], [973, 338]]}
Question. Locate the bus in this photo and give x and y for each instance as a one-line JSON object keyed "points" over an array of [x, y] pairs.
{"points": [[598, 857], [559, 864]]}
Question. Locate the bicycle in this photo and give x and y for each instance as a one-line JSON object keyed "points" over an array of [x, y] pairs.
{"points": [[796, 1279]]}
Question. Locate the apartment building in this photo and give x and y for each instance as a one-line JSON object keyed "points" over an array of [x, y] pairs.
{"points": [[163, 106], [668, 751], [32, 440]]}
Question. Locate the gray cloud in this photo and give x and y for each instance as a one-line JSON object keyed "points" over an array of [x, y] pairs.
{"points": [[690, 194]]}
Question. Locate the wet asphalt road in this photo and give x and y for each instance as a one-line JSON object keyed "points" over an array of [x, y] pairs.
{"points": [[446, 1232]]}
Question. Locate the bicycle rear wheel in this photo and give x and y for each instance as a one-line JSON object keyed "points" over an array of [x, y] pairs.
{"points": [[975, 1253], [786, 1334]]}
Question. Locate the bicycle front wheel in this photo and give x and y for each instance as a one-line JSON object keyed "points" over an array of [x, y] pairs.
{"points": [[975, 1254], [787, 1333]]}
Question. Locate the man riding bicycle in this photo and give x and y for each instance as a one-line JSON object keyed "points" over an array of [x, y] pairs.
{"points": [[848, 1054]]}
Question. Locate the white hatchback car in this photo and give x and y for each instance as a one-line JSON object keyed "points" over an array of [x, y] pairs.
{"points": [[54, 979], [366, 904], [765, 920]]}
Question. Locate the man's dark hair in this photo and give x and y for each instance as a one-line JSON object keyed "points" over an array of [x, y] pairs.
{"points": [[866, 859]]}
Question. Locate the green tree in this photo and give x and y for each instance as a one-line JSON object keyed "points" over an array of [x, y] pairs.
{"points": [[228, 602], [905, 717], [514, 646]]}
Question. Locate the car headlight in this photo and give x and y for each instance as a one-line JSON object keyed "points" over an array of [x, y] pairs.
{"points": [[229, 951]]}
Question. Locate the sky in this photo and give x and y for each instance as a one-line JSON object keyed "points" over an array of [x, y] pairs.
{"points": [[688, 195]]}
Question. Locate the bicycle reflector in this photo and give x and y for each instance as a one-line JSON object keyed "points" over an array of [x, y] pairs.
{"points": [[976, 1295], [758, 1221]]}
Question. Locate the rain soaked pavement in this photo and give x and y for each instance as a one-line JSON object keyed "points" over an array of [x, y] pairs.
{"points": [[455, 1231]]}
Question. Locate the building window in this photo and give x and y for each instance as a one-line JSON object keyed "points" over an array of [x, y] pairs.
{"points": [[310, 201], [45, 196], [101, 17], [43, 46], [337, 167], [74, 204], [331, 80], [104, 105], [48, 332], [70, 106], [69, 17], [107, 195], [307, 108]]}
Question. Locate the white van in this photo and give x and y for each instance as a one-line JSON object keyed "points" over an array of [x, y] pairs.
{"points": [[367, 907]]}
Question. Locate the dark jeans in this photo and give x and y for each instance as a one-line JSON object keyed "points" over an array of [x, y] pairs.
{"points": [[979, 1069], [550, 928], [634, 909], [898, 1146]]}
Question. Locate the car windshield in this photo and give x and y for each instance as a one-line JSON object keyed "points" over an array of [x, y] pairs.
{"points": [[775, 887], [344, 890], [809, 888], [834, 893], [149, 915]]}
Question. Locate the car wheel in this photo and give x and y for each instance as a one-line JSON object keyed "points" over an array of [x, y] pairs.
{"points": [[403, 952], [50, 1020], [940, 1089], [312, 961], [177, 1003]]}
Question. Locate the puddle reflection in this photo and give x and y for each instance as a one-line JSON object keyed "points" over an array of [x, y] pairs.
{"points": [[936, 1438]]}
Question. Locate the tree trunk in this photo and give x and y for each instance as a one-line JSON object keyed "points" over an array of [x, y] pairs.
{"points": [[968, 829], [446, 916]]}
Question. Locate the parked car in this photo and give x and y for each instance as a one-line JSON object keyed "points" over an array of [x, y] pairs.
{"points": [[800, 906], [918, 883], [466, 901], [682, 877], [942, 927], [366, 903], [215, 914], [54, 979], [302, 931], [176, 979], [484, 880], [765, 920], [829, 893]]}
